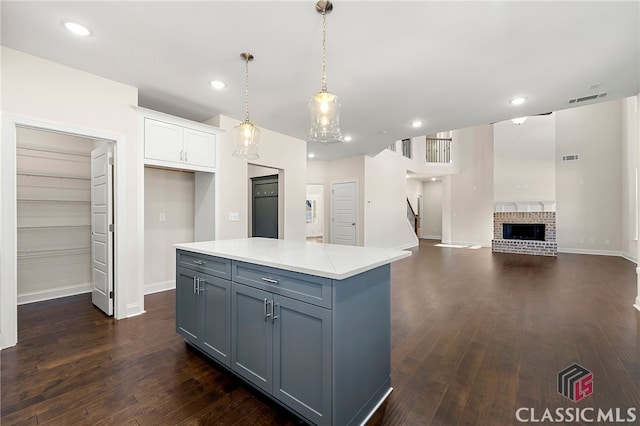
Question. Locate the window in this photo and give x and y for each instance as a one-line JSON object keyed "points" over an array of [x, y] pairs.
{"points": [[406, 148], [392, 147]]}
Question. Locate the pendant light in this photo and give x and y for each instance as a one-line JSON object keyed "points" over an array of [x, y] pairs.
{"points": [[246, 134], [324, 106]]}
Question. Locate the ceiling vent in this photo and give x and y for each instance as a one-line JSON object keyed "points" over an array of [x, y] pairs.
{"points": [[572, 157], [587, 98]]}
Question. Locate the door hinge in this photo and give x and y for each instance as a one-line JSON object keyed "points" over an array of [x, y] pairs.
{"points": [[111, 294], [112, 227], [110, 160]]}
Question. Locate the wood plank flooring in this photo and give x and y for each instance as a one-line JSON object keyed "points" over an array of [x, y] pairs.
{"points": [[475, 336]]}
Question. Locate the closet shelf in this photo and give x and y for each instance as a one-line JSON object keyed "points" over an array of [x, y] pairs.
{"points": [[37, 254], [53, 150], [51, 175]]}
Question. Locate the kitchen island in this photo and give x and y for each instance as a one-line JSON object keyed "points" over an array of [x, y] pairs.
{"points": [[308, 324]]}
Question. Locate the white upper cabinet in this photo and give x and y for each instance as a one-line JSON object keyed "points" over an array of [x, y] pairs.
{"points": [[199, 148], [162, 141], [176, 143]]}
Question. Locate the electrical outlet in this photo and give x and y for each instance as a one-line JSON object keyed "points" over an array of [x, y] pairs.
{"points": [[163, 217]]}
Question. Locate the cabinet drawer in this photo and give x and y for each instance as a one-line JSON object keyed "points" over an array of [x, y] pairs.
{"points": [[216, 266], [307, 288]]}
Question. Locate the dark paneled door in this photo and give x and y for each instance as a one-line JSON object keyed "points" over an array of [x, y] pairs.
{"points": [[265, 206]]}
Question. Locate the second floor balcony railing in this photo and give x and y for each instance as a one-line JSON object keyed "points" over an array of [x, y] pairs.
{"points": [[438, 150]]}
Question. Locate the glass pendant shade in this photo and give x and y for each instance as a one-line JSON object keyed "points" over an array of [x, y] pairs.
{"points": [[246, 136], [324, 108]]}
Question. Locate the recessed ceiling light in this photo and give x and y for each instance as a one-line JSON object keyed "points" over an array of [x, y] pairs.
{"points": [[433, 179], [217, 84], [517, 101], [416, 124], [77, 29], [348, 138], [311, 155]]}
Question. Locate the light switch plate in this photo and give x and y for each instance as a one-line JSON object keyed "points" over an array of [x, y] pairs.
{"points": [[234, 217]]}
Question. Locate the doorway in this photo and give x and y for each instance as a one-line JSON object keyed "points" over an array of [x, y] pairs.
{"points": [[9, 223], [62, 248], [314, 214], [264, 206]]}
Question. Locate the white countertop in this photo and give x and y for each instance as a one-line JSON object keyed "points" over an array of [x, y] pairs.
{"points": [[324, 260]]}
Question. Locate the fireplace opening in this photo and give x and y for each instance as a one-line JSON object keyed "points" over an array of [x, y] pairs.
{"points": [[523, 231]]}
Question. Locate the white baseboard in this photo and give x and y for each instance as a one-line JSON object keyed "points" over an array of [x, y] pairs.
{"points": [[590, 251], [431, 237], [54, 293], [159, 286], [630, 257], [133, 309]]}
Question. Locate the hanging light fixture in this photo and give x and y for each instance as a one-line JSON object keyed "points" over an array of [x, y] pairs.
{"points": [[246, 134], [324, 106]]}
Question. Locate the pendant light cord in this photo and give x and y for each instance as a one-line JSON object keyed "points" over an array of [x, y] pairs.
{"points": [[324, 51], [246, 89]]}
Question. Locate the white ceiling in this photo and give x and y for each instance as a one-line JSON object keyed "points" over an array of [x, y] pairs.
{"points": [[450, 64]]}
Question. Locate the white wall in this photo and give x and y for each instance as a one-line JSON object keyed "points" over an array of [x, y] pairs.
{"points": [[232, 184], [432, 216], [630, 153], [41, 91], [524, 167], [385, 206], [170, 194], [467, 214], [589, 191]]}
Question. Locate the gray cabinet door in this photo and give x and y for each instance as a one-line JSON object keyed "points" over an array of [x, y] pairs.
{"points": [[252, 335], [302, 358], [216, 327], [188, 321]]}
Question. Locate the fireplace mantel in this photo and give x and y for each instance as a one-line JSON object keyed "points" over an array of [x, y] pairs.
{"points": [[524, 206]]}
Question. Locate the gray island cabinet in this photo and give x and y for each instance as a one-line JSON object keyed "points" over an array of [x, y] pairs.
{"points": [[308, 324]]}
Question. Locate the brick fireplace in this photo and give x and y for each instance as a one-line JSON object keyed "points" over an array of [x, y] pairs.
{"points": [[519, 242]]}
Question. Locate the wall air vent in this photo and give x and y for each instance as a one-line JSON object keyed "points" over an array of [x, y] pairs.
{"points": [[587, 98], [572, 157]]}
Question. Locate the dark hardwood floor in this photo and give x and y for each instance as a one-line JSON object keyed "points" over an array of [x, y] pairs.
{"points": [[475, 336]]}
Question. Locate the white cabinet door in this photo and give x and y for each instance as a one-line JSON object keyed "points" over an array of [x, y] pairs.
{"points": [[199, 148], [162, 141]]}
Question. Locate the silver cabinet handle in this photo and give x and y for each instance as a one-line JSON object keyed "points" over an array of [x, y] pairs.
{"points": [[194, 285], [269, 280], [273, 315], [185, 156], [200, 262], [198, 288], [181, 155], [266, 314]]}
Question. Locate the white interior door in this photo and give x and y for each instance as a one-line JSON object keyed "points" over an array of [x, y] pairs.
{"points": [[344, 215], [102, 228]]}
